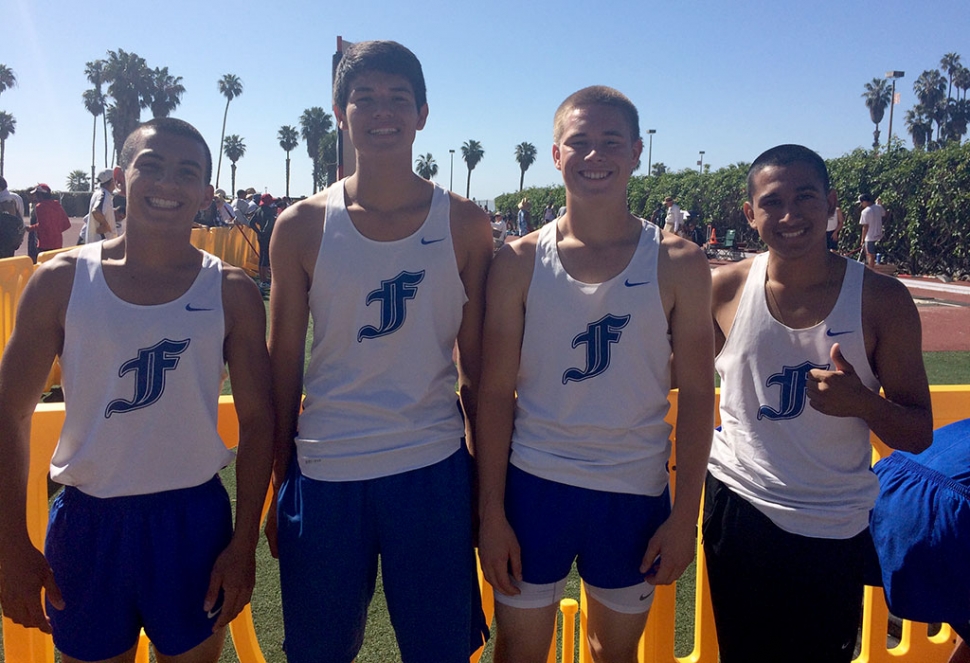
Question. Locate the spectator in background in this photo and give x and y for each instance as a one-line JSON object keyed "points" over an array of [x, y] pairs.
{"points": [[262, 222], [48, 220], [100, 221], [524, 217], [832, 229], [675, 218], [871, 221], [12, 204]]}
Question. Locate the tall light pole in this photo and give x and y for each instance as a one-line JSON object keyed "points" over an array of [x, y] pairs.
{"points": [[451, 178], [700, 163], [892, 102], [650, 133]]}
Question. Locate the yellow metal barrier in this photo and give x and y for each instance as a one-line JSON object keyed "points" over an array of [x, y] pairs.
{"points": [[14, 274], [950, 403]]}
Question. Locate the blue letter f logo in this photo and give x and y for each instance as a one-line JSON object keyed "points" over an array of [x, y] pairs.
{"points": [[392, 294], [598, 337]]}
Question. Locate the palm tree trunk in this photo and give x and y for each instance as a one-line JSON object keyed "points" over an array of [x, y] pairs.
{"points": [[233, 175], [468, 187], [3, 145], [287, 174], [221, 139], [521, 179], [104, 118], [94, 144]]}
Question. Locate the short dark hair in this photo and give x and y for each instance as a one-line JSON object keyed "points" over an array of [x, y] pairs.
{"points": [[785, 155], [241, 193], [3, 183], [167, 125], [387, 57], [597, 95]]}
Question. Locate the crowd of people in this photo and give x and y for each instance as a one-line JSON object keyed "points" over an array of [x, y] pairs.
{"points": [[564, 348]]}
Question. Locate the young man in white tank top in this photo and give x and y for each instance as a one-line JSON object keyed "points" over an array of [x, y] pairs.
{"points": [[804, 340], [582, 319], [392, 269], [141, 536]]}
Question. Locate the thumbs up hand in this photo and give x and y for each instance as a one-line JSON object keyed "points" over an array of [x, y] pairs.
{"points": [[840, 392]]}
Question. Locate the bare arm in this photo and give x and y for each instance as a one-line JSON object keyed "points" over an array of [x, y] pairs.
{"points": [[37, 338], [686, 287], [473, 245], [293, 248], [904, 418], [245, 351], [508, 283]]}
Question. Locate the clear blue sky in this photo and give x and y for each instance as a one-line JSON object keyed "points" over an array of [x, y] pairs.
{"points": [[730, 78]]}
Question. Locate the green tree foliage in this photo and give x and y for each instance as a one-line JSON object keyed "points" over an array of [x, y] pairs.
{"points": [[425, 166], [926, 193], [164, 92], [234, 149], [472, 153], [315, 124], [289, 138], [77, 180], [525, 155], [230, 86], [8, 127], [8, 78], [129, 81]]}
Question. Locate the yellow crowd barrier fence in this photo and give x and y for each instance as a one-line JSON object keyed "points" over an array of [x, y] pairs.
{"points": [[950, 404]]}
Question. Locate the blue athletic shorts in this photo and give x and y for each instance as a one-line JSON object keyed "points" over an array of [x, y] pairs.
{"points": [[418, 523], [605, 533], [140, 561], [921, 527]]}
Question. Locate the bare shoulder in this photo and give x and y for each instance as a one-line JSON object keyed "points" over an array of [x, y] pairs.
{"points": [[303, 217], [514, 262], [728, 280], [467, 217], [885, 299], [238, 287], [679, 254], [53, 280]]}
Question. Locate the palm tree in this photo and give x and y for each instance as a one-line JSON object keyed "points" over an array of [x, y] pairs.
{"points": [[166, 92], [920, 127], [94, 103], [8, 126], [289, 139], [230, 86], [659, 168], [328, 158], [94, 71], [961, 80], [930, 89], [878, 96], [315, 124], [129, 83], [235, 148], [8, 79], [77, 180], [472, 153], [950, 63], [525, 154], [425, 166]]}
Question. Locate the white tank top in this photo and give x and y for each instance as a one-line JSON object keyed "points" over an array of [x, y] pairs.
{"points": [[380, 386], [807, 471], [594, 375], [141, 385]]}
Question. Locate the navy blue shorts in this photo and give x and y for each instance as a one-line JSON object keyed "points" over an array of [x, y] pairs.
{"points": [[605, 533], [331, 534], [133, 562]]}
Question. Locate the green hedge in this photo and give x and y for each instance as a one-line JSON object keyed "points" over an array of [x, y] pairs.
{"points": [[926, 193]]}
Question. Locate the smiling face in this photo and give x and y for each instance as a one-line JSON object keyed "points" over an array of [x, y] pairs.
{"points": [[381, 113], [789, 208], [596, 151], [165, 179]]}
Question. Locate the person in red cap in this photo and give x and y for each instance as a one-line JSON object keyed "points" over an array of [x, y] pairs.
{"points": [[48, 219]]}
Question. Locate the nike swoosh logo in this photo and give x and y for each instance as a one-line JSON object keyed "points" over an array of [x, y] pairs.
{"points": [[829, 332], [189, 307], [212, 613], [632, 284], [644, 597], [432, 241]]}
